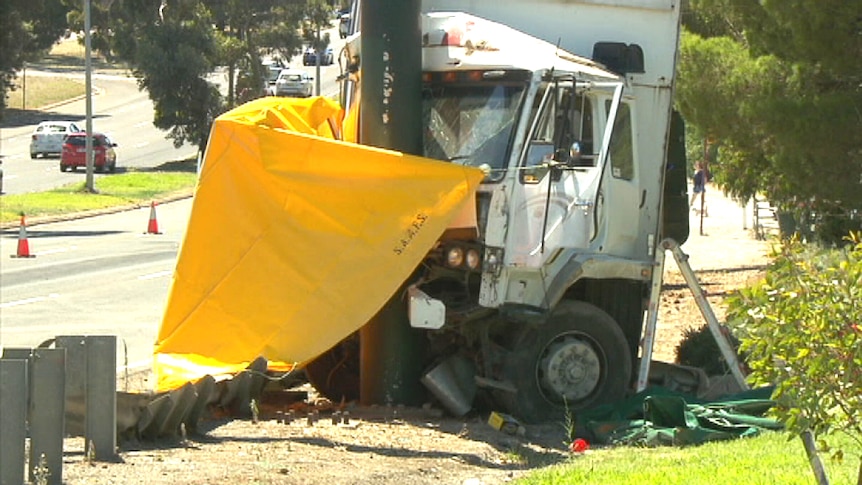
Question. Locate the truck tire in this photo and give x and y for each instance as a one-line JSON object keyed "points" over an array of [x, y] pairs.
{"points": [[335, 373], [577, 359]]}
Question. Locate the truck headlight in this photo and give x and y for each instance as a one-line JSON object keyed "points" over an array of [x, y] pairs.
{"points": [[473, 259], [454, 257]]}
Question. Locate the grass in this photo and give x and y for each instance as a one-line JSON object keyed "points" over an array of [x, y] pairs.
{"points": [[33, 92], [68, 54], [113, 190], [767, 459]]}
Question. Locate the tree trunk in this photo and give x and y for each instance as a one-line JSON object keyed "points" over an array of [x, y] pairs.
{"points": [[814, 458]]}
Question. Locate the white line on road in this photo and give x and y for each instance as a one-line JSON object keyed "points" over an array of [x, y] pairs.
{"points": [[141, 364], [27, 301], [152, 276], [55, 251]]}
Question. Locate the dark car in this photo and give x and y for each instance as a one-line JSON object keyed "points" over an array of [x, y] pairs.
{"points": [[309, 58], [74, 152]]}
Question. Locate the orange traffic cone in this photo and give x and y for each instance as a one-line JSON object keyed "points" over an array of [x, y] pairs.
{"points": [[153, 226], [23, 245]]}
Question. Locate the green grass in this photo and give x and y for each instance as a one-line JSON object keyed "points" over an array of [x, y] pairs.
{"points": [[763, 460], [113, 190]]}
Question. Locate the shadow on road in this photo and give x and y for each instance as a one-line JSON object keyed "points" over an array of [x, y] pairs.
{"points": [[14, 117]]}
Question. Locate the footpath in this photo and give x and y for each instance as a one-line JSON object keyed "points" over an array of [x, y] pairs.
{"points": [[725, 255]]}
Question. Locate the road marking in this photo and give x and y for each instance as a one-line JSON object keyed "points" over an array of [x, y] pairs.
{"points": [[141, 145], [54, 251], [152, 276], [141, 364], [27, 301]]}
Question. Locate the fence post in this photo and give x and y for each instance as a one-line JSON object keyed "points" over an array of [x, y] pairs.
{"points": [[101, 410], [13, 402], [47, 395]]}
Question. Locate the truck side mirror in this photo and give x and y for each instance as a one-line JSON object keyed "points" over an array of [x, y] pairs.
{"points": [[574, 155]]}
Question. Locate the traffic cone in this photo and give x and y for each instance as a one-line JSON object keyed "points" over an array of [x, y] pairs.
{"points": [[23, 245], [153, 226]]}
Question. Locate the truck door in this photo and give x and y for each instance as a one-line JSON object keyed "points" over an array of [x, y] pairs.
{"points": [[554, 197]]}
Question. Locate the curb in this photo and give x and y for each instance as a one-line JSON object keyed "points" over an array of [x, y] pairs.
{"points": [[36, 220]]}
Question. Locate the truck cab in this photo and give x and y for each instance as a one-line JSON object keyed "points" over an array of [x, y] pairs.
{"points": [[536, 295]]}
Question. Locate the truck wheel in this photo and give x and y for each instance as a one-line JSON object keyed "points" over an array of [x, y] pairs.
{"points": [[577, 359], [335, 373]]}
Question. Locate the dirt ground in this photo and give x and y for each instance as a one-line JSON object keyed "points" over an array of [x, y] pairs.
{"points": [[384, 445]]}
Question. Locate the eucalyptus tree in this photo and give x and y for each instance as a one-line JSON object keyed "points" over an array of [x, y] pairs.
{"points": [[178, 49], [28, 28], [777, 85]]}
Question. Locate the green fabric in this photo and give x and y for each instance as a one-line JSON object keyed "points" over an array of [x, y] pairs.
{"points": [[661, 417]]}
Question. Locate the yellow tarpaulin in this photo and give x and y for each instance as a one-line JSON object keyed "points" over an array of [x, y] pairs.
{"points": [[295, 240]]}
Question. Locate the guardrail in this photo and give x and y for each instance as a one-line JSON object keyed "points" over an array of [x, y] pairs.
{"points": [[70, 390]]}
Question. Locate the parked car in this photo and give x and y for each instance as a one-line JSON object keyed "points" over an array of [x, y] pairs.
{"points": [[272, 71], [344, 25], [309, 58], [47, 138], [293, 82], [74, 153]]}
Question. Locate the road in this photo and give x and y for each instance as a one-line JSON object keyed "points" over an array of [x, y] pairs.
{"points": [[125, 113], [119, 109], [98, 275]]}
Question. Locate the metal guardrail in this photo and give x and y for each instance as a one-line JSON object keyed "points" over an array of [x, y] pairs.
{"points": [[70, 390]]}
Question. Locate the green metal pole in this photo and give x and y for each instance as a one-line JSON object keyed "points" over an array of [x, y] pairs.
{"points": [[391, 68]]}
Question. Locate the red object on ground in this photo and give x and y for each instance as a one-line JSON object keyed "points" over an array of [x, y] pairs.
{"points": [[23, 245], [579, 446], [153, 226]]}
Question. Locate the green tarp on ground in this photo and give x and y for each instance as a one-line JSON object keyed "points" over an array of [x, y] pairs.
{"points": [[660, 417]]}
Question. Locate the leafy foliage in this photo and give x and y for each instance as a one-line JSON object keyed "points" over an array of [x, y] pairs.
{"points": [[174, 47], [802, 329], [699, 349], [27, 29], [776, 84]]}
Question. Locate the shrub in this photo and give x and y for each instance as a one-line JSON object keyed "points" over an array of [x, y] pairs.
{"points": [[802, 330], [699, 349]]}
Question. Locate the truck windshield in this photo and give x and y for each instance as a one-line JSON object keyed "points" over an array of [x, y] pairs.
{"points": [[471, 124]]}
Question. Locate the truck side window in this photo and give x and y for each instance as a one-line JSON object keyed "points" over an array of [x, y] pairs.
{"points": [[584, 115], [565, 117], [621, 149]]}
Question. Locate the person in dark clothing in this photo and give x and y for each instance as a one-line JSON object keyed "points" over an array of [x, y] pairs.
{"points": [[699, 188]]}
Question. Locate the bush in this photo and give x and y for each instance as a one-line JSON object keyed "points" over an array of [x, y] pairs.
{"points": [[699, 349], [802, 330]]}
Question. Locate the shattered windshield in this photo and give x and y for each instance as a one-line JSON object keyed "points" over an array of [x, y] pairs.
{"points": [[471, 124]]}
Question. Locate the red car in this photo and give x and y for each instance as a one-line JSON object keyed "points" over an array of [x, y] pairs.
{"points": [[74, 152]]}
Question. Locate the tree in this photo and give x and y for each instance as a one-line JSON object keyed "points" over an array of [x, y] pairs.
{"points": [[174, 47], [800, 330], [777, 84], [27, 30]]}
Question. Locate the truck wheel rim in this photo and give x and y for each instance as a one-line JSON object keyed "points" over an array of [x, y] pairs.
{"points": [[569, 369]]}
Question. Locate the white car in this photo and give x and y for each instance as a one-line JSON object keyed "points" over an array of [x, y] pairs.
{"points": [[47, 138], [293, 82]]}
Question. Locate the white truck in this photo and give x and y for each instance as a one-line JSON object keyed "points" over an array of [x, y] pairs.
{"points": [[538, 300]]}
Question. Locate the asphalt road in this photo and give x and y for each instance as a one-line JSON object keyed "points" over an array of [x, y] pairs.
{"points": [[101, 275], [119, 109], [123, 112]]}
